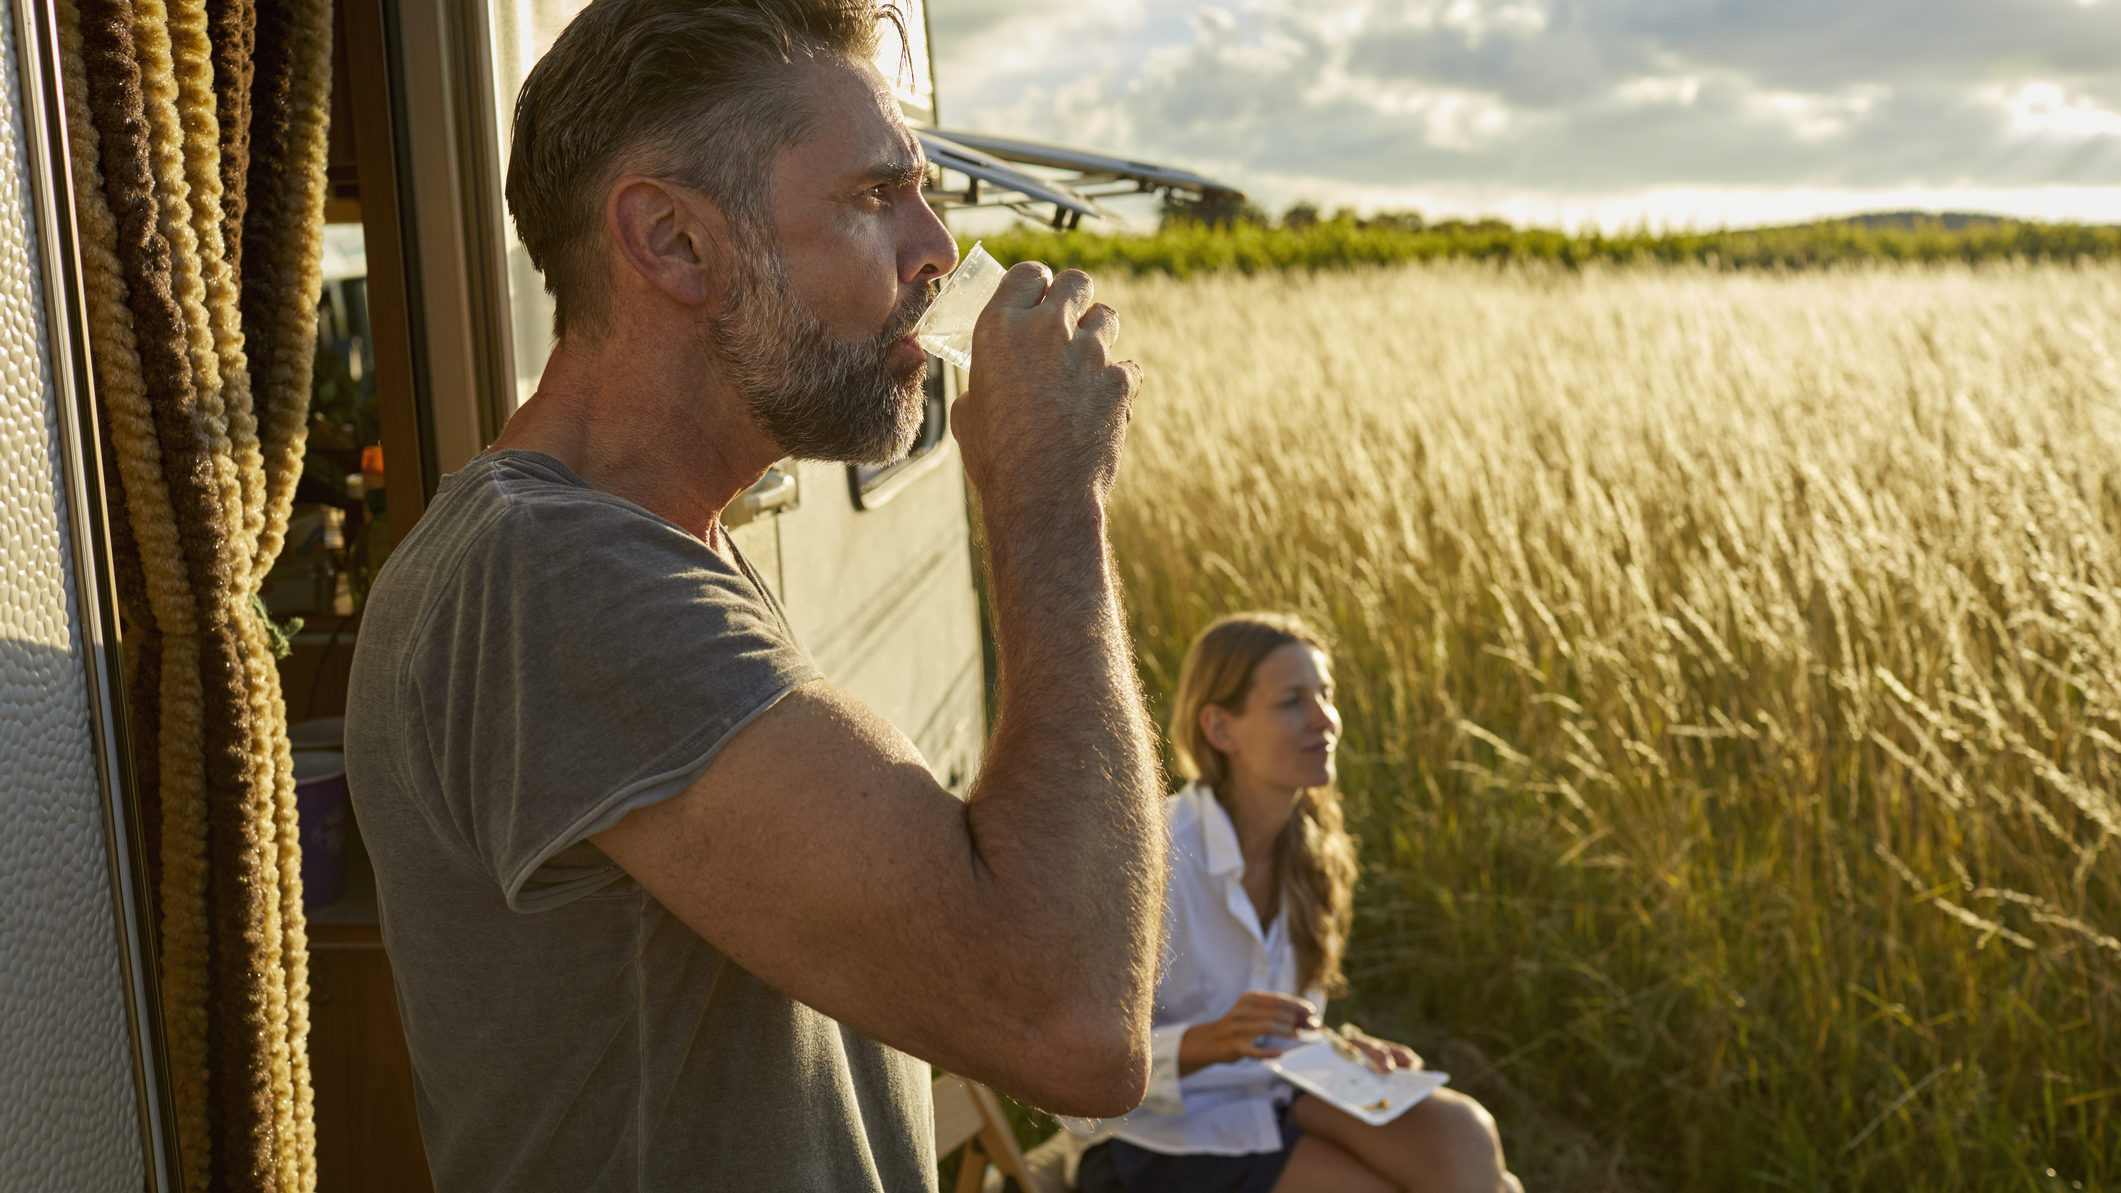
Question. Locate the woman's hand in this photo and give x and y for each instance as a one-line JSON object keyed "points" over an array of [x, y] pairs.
{"points": [[1257, 1013], [1382, 1055]]}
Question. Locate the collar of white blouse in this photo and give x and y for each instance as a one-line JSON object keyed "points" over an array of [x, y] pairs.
{"points": [[1223, 858]]}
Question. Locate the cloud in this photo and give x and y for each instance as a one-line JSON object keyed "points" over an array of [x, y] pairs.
{"points": [[2048, 110], [1345, 97]]}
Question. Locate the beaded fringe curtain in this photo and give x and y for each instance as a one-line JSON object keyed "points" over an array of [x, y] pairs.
{"points": [[198, 141]]}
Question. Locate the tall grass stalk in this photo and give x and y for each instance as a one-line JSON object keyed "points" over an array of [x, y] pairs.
{"points": [[1732, 673]]}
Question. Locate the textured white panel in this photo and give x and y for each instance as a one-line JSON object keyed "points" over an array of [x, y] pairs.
{"points": [[67, 1112]]}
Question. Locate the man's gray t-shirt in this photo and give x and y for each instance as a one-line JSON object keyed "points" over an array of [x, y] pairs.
{"points": [[537, 659]]}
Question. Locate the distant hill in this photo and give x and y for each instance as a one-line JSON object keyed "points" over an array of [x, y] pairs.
{"points": [[1950, 221]]}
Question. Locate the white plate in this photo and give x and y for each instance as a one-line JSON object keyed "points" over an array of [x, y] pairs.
{"points": [[1375, 1098]]}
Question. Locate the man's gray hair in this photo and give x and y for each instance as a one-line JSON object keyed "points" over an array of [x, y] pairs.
{"points": [[694, 91]]}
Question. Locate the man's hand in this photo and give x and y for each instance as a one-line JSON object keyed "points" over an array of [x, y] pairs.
{"points": [[1235, 1036], [1042, 422]]}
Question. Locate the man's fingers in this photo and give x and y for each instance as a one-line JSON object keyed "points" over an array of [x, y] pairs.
{"points": [[1102, 322], [1072, 289], [1023, 287]]}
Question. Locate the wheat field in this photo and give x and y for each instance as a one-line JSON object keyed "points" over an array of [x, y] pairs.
{"points": [[1732, 672]]}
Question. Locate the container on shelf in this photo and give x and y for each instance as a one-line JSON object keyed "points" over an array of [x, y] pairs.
{"points": [[322, 809]]}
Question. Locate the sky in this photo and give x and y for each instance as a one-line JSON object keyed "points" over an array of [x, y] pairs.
{"points": [[1613, 113]]}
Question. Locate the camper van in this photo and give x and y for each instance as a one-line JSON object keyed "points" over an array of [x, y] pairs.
{"points": [[433, 327]]}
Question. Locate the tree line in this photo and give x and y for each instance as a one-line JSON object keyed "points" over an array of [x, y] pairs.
{"points": [[1226, 232]]}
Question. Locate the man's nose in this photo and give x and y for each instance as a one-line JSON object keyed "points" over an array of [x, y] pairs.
{"points": [[930, 251]]}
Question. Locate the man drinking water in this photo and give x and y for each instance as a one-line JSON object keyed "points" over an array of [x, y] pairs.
{"points": [[667, 909]]}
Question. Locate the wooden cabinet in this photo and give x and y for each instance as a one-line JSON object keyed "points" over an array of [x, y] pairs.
{"points": [[368, 1134]]}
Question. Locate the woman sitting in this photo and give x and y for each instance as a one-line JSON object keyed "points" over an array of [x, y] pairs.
{"points": [[1261, 898]]}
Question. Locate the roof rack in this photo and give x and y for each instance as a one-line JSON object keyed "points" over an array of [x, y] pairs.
{"points": [[991, 164]]}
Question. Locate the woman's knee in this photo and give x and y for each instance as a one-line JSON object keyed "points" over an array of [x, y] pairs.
{"points": [[1460, 1118], [1460, 1133]]}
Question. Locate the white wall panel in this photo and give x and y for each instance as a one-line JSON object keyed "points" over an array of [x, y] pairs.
{"points": [[68, 1117]]}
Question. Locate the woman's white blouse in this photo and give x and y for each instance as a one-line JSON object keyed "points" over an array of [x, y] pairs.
{"points": [[1215, 951]]}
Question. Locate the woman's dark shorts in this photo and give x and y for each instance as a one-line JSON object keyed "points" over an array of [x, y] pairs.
{"points": [[1116, 1166]]}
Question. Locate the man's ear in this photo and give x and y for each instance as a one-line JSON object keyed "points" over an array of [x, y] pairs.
{"points": [[670, 237], [1215, 726]]}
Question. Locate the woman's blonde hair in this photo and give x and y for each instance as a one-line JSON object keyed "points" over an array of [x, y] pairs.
{"points": [[1314, 855]]}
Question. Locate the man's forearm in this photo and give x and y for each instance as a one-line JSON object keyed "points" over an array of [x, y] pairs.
{"points": [[1065, 814]]}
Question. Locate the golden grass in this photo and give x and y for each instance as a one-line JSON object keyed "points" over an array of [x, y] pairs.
{"points": [[1732, 673]]}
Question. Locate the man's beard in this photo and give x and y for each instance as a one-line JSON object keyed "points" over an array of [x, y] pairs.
{"points": [[818, 396]]}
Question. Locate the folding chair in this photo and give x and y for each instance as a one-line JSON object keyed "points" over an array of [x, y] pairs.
{"points": [[968, 1114]]}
